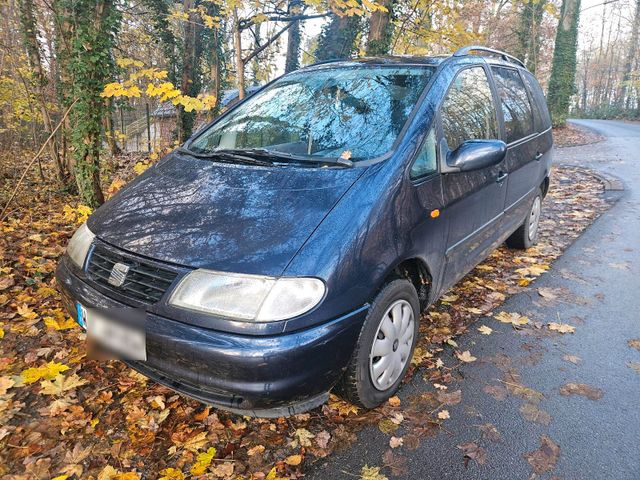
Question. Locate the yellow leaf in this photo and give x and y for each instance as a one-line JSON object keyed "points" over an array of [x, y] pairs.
{"points": [[273, 475], [140, 167], [514, 319], [172, 474], [196, 442], [203, 460], [61, 384], [127, 476], [485, 330], [371, 473], [561, 327], [25, 312], [60, 477], [107, 473], [48, 371], [65, 324]]}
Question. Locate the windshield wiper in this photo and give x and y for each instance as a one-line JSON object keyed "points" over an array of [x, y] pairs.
{"points": [[227, 156], [279, 156]]}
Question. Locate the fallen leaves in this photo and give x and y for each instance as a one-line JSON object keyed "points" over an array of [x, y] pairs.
{"points": [[133, 423], [484, 330], [572, 359], [513, 318], [561, 327], [532, 413], [395, 442], [635, 343], [293, 460], [48, 372], [545, 458], [633, 365], [371, 473], [203, 460], [444, 415], [490, 432], [466, 356], [472, 451], [592, 393], [452, 398], [61, 384]]}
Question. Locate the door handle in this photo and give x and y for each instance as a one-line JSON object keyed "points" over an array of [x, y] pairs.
{"points": [[539, 156], [501, 177]]}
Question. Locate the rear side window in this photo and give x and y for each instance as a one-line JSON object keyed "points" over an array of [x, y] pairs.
{"points": [[468, 111], [540, 110], [516, 109]]}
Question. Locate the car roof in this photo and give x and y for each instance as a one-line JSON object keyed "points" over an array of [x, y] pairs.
{"points": [[493, 57]]}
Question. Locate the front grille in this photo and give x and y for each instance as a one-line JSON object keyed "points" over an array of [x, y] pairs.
{"points": [[144, 282]]}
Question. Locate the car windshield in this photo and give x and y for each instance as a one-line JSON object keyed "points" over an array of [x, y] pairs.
{"points": [[352, 112]]}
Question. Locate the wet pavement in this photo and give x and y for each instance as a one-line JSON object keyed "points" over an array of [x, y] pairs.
{"points": [[589, 429]]}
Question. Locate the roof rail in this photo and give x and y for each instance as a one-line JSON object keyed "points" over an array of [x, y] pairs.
{"points": [[476, 48]]}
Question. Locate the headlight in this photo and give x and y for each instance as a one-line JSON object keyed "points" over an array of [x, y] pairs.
{"points": [[79, 245], [247, 297]]}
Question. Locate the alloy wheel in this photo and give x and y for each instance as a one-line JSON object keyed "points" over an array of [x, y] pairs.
{"points": [[534, 218]]}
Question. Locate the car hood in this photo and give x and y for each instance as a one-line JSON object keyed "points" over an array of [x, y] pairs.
{"points": [[227, 217]]}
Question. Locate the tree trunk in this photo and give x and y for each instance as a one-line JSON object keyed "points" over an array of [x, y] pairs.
{"points": [[237, 38], [89, 66], [625, 88], [338, 37], [563, 69], [380, 30], [292, 61], [32, 46], [186, 119]]}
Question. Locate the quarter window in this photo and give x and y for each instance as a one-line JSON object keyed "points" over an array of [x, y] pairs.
{"points": [[425, 162], [540, 110], [468, 111], [516, 109]]}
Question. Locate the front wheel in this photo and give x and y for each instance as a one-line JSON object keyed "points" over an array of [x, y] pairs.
{"points": [[527, 234], [385, 346]]}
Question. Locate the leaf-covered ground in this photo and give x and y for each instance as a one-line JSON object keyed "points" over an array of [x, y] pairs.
{"points": [[62, 415]]}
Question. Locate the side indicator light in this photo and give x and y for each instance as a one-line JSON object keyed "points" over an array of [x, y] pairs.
{"points": [[435, 213]]}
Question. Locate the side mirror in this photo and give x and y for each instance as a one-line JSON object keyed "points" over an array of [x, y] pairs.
{"points": [[475, 155]]}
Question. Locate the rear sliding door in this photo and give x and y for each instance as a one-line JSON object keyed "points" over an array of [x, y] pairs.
{"points": [[522, 162]]}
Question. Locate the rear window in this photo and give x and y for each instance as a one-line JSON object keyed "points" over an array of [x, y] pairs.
{"points": [[540, 110], [516, 108]]}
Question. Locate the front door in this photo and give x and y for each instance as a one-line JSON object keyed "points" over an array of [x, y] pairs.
{"points": [[473, 201]]}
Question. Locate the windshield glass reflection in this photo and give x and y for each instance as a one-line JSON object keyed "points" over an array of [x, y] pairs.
{"points": [[353, 112]]}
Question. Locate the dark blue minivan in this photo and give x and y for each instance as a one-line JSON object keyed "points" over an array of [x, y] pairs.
{"points": [[289, 247]]}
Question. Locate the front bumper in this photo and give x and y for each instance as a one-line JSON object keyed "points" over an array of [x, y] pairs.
{"points": [[265, 376]]}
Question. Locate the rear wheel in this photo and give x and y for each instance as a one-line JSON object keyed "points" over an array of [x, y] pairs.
{"points": [[385, 346], [527, 234]]}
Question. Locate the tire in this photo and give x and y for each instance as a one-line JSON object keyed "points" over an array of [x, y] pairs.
{"points": [[360, 385], [527, 234]]}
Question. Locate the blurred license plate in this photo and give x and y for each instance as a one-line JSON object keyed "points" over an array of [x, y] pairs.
{"points": [[119, 330]]}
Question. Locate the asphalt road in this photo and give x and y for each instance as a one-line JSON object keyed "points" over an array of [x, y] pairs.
{"points": [[598, 439]]}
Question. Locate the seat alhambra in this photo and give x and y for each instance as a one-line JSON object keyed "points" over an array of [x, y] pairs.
{"points": [[290, 246]]}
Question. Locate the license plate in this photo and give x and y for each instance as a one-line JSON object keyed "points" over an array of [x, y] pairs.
{"points": [[119, 330]]}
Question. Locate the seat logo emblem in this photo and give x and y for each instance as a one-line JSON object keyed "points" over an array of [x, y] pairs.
{"points": [[118, 274]]}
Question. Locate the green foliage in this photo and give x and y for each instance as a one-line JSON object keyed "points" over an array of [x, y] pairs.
{"points": [[90, 65], [563, 70]]}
